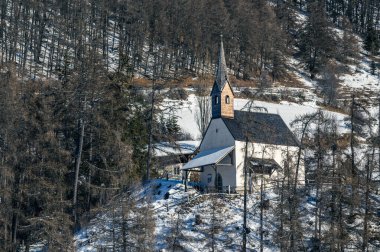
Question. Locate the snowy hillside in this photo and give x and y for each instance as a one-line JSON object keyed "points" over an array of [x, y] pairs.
{"points": [[100, 99], [189, 221]]}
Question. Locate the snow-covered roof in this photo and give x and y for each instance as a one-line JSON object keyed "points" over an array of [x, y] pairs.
{"points": [[164, 149], [208, 157]]}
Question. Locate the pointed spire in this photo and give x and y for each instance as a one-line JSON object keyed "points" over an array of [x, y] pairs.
{"points": [[221, 77]]}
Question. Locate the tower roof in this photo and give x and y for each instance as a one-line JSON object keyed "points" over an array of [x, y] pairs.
{"points": [[221, 76]]}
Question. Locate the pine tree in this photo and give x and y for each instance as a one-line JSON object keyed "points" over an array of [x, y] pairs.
{"points": [[372, 41], [317, 43]]}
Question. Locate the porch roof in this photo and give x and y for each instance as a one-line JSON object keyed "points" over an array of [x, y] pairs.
{"points": [[263, 166], [208, 157]]}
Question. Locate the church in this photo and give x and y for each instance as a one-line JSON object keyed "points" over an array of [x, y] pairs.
{"points": [[234, 139]]}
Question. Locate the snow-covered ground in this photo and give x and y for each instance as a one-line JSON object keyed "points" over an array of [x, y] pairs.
{"points": [[361, 78], [190, 220], [189, 217], [287, 110], [193, 222], [180, 147]]}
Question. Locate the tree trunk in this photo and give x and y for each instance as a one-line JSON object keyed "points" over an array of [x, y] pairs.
{"points": [[77, 166], [353, 168], [261, 214], [366, 207], [281, 231], [245, 198], [150, 136], [378, 134]]}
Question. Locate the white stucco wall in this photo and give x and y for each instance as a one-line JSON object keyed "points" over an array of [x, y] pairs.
{"points": [[227, 172], [265, 151], [217, 136]]}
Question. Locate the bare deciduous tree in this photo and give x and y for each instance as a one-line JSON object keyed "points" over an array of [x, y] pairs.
{"points": [[203, 106]]}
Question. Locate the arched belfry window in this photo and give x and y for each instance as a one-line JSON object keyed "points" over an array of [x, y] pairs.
{"points": [[227, 99], [216, 99]]}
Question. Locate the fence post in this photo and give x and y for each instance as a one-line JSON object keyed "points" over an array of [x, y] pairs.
{"points": [[185, 180], [229, 189]]}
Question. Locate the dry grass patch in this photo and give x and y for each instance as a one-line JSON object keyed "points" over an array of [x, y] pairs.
{"points": [[332, 108], [141, 82]]}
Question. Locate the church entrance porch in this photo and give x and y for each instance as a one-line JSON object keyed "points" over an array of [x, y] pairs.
{"points": [[216, 168]]}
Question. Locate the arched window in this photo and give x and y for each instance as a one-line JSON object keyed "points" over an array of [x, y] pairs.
{"points": [[227, 99], [216, 98]]}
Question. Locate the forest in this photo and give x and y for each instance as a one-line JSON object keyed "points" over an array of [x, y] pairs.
{"points": [[81, 99], [51, 39]]}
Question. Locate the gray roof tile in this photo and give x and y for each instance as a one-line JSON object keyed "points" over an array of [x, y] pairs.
{"points": [[221, 76], [260, 128]]}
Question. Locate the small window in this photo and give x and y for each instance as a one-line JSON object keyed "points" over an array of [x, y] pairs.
{"points": [[227, 99], [176, 170], [216, 100], [209, 178]]}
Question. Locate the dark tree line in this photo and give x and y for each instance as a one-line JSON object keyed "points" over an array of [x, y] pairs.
{"points": [[50, 38], [66, 148]]}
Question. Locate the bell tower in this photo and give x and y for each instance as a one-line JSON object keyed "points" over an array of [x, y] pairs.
{"points": [[222, 95]]}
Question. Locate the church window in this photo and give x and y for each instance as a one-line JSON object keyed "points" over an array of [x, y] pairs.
{"points": [[227, 99], [216, 100], [209, 178]]}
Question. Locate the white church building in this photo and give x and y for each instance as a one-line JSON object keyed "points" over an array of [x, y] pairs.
{"points": [[234, 139]]}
